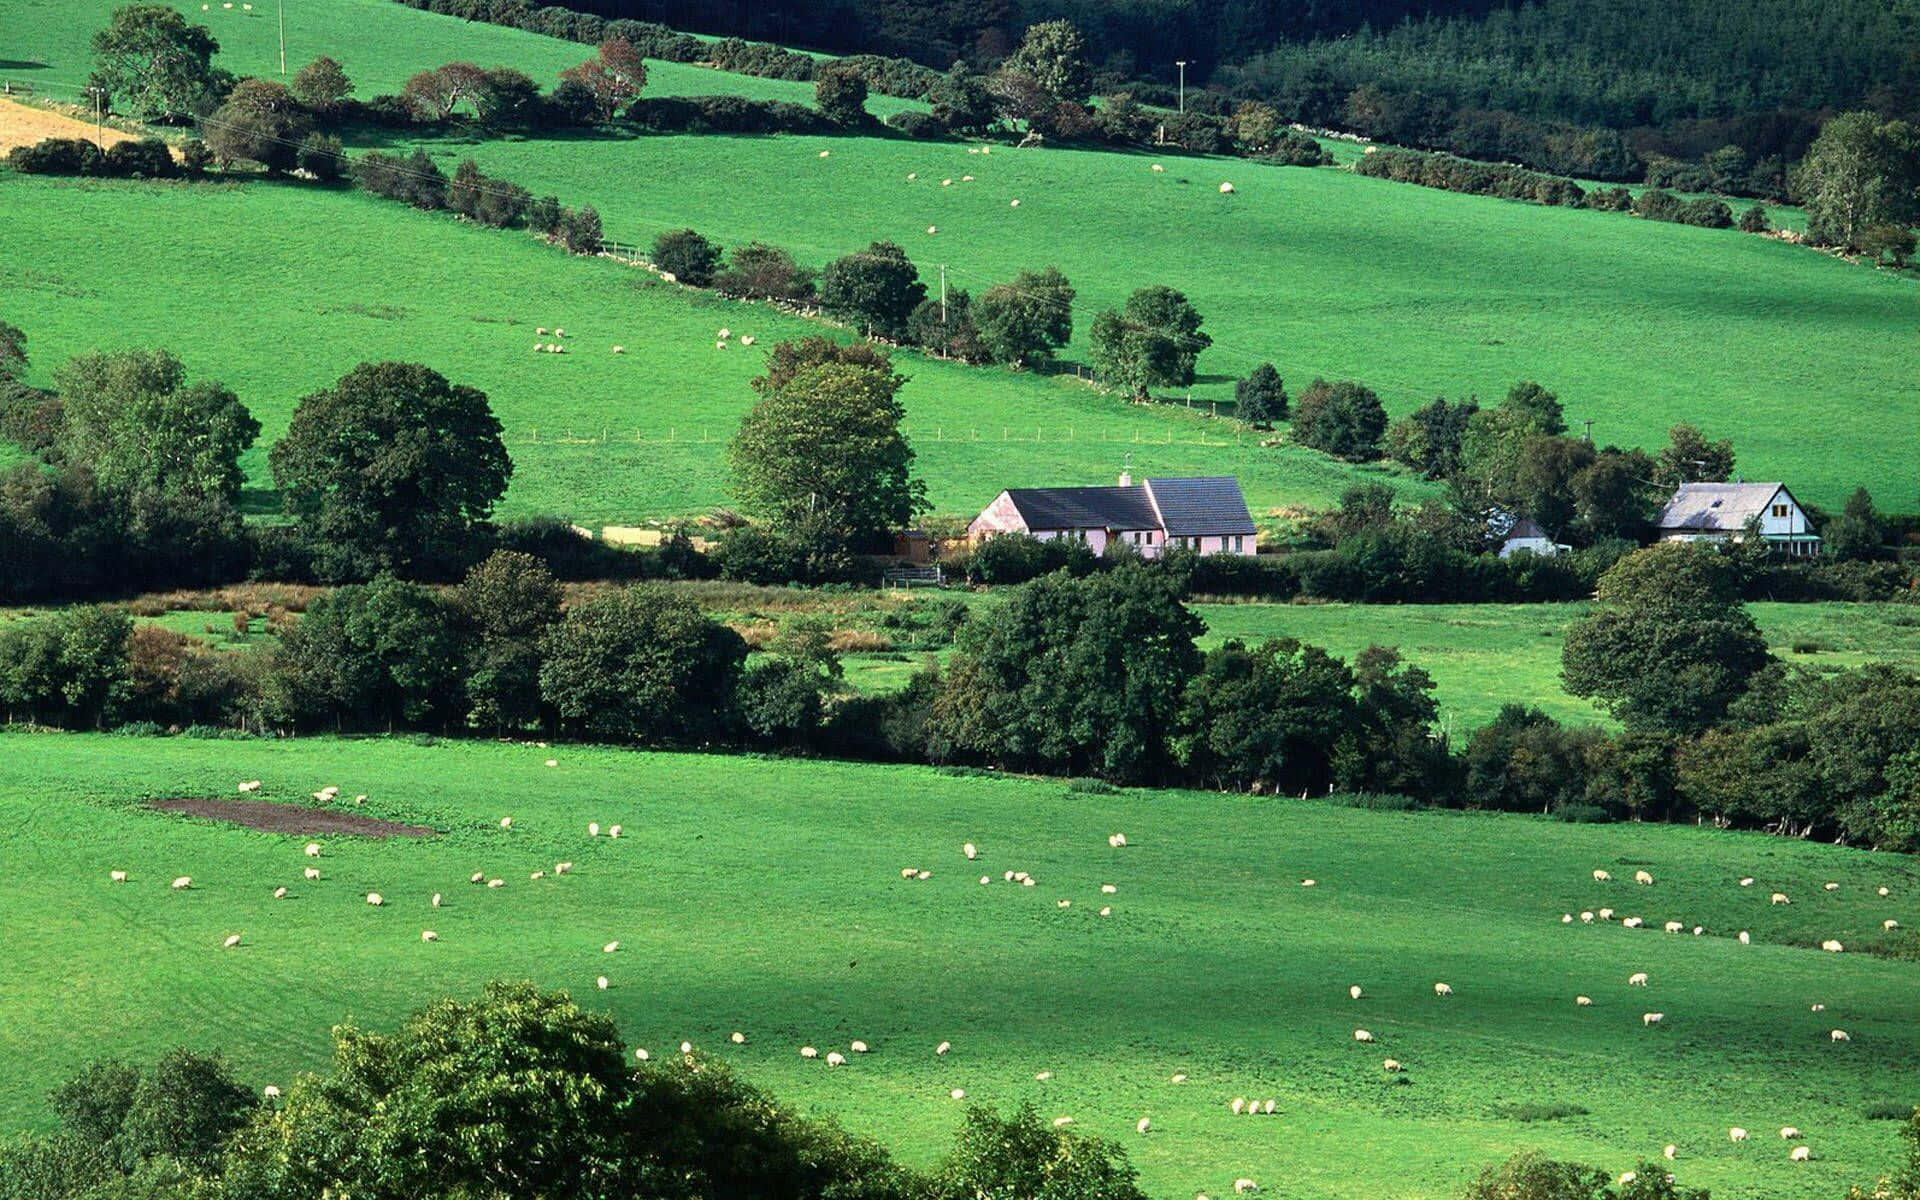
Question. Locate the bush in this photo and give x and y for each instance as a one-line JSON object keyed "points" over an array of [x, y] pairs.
{"points": [[1343, 419], [691, 258], [1291, 148], [141, 158], [757, 271], [917, 124], [1754, 220], [56, 156], [1655, 204], [322, 157], [1706, 212], [724, 114], [1017, 558]]}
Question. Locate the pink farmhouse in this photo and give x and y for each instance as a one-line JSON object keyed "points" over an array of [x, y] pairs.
{"points": [[1205, 515]]}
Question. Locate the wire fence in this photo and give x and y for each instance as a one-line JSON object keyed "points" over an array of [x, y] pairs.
{"points": [[1037, 435]]}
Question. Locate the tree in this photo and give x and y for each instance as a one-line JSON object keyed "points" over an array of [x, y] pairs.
{"points": [[757, 271], [641, 664], [1021, 1157], [1053, 56], [613, 77], [687, 256], [1611, 495], [1856, 532], [1690, 458], [876, 289], [946, 327], [1883, 244], [1075, 675], [1429, 439], [388, 654], [961, 101], [824, 450], [434, 95], [580, 230], [1026, 320], [135, 421], [1754, 219], [840, 92], [322, 156], [1343, 419], [1261, 398], [1668, 645], [1153, 342], [1531, 1176], [510, 600], [260, 122], [155, 66], [1543, 479], [1540, 407], [184, 1108], [1269, 717], [69, 669], [506, 99], [788, 359], [1253, 125], [322, 85], [391, 468], [1860, 172]]}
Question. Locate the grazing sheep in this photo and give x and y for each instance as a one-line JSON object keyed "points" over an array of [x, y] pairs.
{"points": [[312, 873], [1157, 168], [824, 153], [946, 183], [1736, 1134], [613, 831], [809, 1052], [593, 829], [183, 883], [537, 875], [1354, 991], [1242, 1186], [270, 1092], [1779, 898], [640, 1053], [116, 876], [477, 877], [1675, 926], [506, 822], [1631, 923], [1745, 938], [1606, 914], [602, 983], [1027, 882], [1009, 876], [1238, 1105], [1789, 1132], [1107, 889], [1583, 1001], [1799, 1154], [958, 1093], [496, 883], [1627, 1177], [1840, 1035], [1226, 189], [1106, 912], [1391, 1065], [1884, 892], [233, 939], [857, 1046], [436, 900], [1586, 918], [1117, 841], [724, 334], [1652, 1018], [719, 345], [1831, 946], [552, 762], [619, 349], [540, 331], [375, 899], [1443, 989], [1670, 1151], [1637, 979], [1063, 903], [1043, 1076], [1062, 1122], [1819, 1008], [1566, 918], [748, 340], [836, 1059], [279, 893], [1143, 1125], [669, 277], [1602, 877], [1889, 924], [966, 179], [737, 1038], [313, 850], [971, 851], [428, 935], [1642, 877], [563, 868], [539, 346], [1361, 1035], [1832, 887], [912, 175], [986, 879], [610, 947], [1179, 1079], [1308, 882], [253, 785], [943, 1047], [1747, 882], [923, 875], [1698, 930], [1013, 204]]}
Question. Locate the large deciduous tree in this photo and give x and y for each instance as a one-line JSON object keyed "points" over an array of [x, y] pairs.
{"points": [[1154, 341], [1690, 458], [641, 664], [613, 77], [391, 468], [1053, 58], [1861, 172], [876, 289], [1668, 647], [135, 421], [1027, 319], [1343, 418], [260, 122], [1260, 399], [434, 95], [322, 85], [154, 65]]}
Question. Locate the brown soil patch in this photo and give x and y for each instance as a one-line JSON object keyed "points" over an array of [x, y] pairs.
{"points": [[297, 819], [22, 125]]}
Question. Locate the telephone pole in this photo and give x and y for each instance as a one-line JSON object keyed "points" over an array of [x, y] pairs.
{"points": [[283, 39], [1182, 64], [943, 295], [99, 135]]}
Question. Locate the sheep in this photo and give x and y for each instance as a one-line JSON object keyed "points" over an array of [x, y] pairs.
{"points": [[1062, 1122], [1226, 189], [326, 794], [1675, 926], [1632, 923], [312, 873], [593, 829], [116, 876], [724, 333], [1789, 1132], [1566, 918], [1642, 877], [836, 1059], [1586, 918], [923, 875], [946, 183], [1042, 1076], [477, 877], [1637, 979], [1361, 1035], [563, 868], [1831, 946], [1107, 912], [540, 331], [1117, 841], [496, 883], [1107, 889], [1268, 1108], [279, 893], [1142, 1125], [559, 332], [251, 785], [1157, 168], [1736, 1134], [1583, 1001], [1799, 1154], [375, 899], [1242, 1186], [1652, 1018], [809, 1052], [1627, 1177], [313, 850], [957, 1093], [1698, 930], [1013, 204], [966, 179], [942, 1048], [737, 1038], [436, 900], [1391, 1065], [1443, 989], [719, 345], [1840, 1035], [1606, 914], [539, 346], [1670, 1151], [1779, 898], [619, 349], [912, 175], [1027, 882], [602, 983], [1746, 939], [686, 1047], [613, 831], [986, 879], [1063, 903], [1747, 881], [233, 939], [1308, 882], [1602, 877], [669, 277], [1819, 1008], [537, 875], [1179, 1079], [270, 1092], [1832, 887], [1238, 1105], [1885, 892], [506, 822], [610, 947], [640, 1053], [971, 851], [428, 935], [1889, 924], [825, 153], [183, 883], [1354, 991], [748, 340], [1010, 876]]}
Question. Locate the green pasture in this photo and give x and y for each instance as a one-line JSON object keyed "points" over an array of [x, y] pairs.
{"points": [[765, 896], [280, 290]]}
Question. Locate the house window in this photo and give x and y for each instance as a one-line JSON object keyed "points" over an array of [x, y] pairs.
{"points": [[1779, 510]]}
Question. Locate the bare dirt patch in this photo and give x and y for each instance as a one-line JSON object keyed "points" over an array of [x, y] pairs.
{"points": [[269, 817], [22, 125]]}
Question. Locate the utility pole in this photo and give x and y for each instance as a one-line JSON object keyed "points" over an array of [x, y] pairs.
{"points": [[99, 136], [1589, 424], [283, 39], [943, 295], [1182, 64]]}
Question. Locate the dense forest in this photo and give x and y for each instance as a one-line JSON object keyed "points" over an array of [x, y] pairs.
{"points": [[1675, 81]]}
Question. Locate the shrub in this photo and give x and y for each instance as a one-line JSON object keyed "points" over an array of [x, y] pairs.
{"points": [[757, 271], [1706, 212], [141, 158], [322, 157], [690, 257], [56, 156], [1655, 204], [1017, 558], [1530, 1112], [1291, 148], [917, 124], [1343, 419]]}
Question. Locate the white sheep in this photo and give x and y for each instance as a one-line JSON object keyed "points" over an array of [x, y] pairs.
{"points": [[436, 900], [1799, 1154], [251, 785], [183, 883], [540, 331], [1042, 1076], [809, 1052], [1670, 1151], [1013, 204], [1107, 889], [1789, 1132], [719, 345], [313, 850], [1779, 898], [966, 179], [1242, 1186], [1062, 1122], [279, 893], [477, 877], [669, 277], [1889, 924], [986, 879], [1642, 877], [1736, 1134], [1746, 881], [1361, 1035], [748, 340], [1354, 992], [1226, 189], [1637, 979], [496, 883], [1157, 168], [506, 822], [1632, 923], [375, 899], [559, 332], [1831, 946], [1027, 881], [563, 868], [1142, 1125], [923, 875], [1443, 989], [613, 831], [602, 983], [1627, 1177], [971, 851], [610, 947], [836, 1059], [1675, 926], [857, 1046], [737, 1038], [1840, 1035], [1819, 1008], [537, 875], [958, 1093], [1179, 1079], [724, 333], [1391, 1065], [1884, 892], [312, 873], [1583, 1001], [1566, 918], [824, 153], [1832, 887], [1602, 877], [428, 935], [946, 183], [1238, 1105], [1117, 841], [1698, 930], [116, 876], [1308, 882], [270, 1092], [933, 229], [942, 1048], [593, 829], [1606, 914], [1652, 1018], [1746, 939], [1586, 918], [619, 349], [1107, 912], [1063, 903], [233, 939], [641, 1054], [912, 175]]}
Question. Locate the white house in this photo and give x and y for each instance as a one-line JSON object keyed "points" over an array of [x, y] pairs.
{"points": [[1717, 512], [1525, 535], [1206, 515]]}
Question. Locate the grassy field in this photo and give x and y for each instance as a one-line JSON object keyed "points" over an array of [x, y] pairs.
{"points": [[278, 291], [766, 896]]}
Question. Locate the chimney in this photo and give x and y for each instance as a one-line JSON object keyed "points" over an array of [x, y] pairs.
{"points": [[1126, 479]]}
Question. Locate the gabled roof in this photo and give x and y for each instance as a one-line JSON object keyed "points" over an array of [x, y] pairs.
{"points": [[1525, 528], [1084, 508], [1207, 506], [1717, 507]]}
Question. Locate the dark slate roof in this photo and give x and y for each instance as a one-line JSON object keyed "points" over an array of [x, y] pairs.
{"points": [[1208, 506], [1716, 507], [1525, 528], [1084, 507]]}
